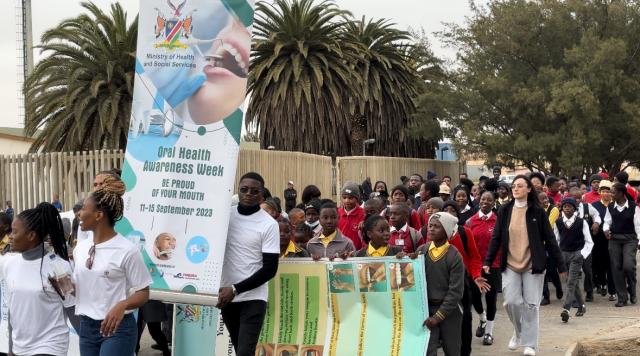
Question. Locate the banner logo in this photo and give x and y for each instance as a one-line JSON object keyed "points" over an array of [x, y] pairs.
{"points": [[171, 29]]}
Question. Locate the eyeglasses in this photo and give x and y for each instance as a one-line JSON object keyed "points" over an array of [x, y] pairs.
{"points": [[92, 255], [252, 191]]}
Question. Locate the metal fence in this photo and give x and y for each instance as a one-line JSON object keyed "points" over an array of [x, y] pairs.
{"points": [[28, 179]]}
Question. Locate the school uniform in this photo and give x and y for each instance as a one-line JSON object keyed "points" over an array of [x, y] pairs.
{"points": [[349, 224], [465, 214], [329, 246], [384, 251], [591, 216], [601, 266], [444, 271], [574, 239], [623, 222], [405, 239], [294, 251], [551, 274], [482, 226]]}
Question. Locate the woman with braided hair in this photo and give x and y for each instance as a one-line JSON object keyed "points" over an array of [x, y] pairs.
{"points": [[38, 284], [111, 278]]}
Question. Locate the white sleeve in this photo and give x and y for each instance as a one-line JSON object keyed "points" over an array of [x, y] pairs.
{"points": [[636, 221], [594, 214], [556, 232], [3, 265], [607, 219], [69, 300], [588, 242], [138, 276], [271, 239]]}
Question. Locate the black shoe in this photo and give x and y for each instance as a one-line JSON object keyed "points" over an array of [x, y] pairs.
{"points": [[633, 299], [545, 301], [621, 303], [564, 316], [589, 297], [575, 305], [488, 340], [481, 328], [603, 291], [612, 297], [581, 311], [559, 294]]}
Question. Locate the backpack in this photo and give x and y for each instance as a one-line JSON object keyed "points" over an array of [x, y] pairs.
{"points": [[415, 237], [464, 238]]}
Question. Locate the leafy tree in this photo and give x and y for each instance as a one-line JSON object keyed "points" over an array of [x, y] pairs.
{"points": [[321, 82], [552, 85], [80, 95]]}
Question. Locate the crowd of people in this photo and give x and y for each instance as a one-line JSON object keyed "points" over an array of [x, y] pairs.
{"points": [[478, 240], [511, 238]]}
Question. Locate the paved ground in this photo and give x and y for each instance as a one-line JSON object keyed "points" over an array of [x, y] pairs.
{"points": [[601, 319]]}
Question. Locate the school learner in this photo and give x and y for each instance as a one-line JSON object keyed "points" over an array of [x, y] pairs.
{"points": [[289, 248], [376, 231], [303, 234], [36, 309], [111, 277], [350, 214], [523, 236], [330, 244], [504, 194], [574, 239], [551, 274], [400, 194], [403, 236], [444, 271], [312, 216], [428, 190], [373, 206], [594, 195], [622, 228], [590, 215], [461, 197], [602, 276], [553, 189], [250, 261], [431, 207], [482, 225], [464, 241]]}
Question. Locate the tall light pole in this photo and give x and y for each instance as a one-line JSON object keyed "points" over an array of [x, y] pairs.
{"points": [[24, 50], [365, 143]]}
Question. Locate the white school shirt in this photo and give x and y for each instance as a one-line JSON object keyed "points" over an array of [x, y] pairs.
{"points": [[37, 316], [248, 238], [117, 272], [588, 242], [620, 208], [595, 215]]}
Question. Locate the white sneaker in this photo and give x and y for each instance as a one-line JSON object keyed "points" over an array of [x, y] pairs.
{"points": [[529, 351], [514, 343]]}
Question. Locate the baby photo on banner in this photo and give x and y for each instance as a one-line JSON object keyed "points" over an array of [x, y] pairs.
{"points": [[192, 63]]}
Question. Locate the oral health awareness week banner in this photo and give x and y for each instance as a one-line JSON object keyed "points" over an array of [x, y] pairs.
{"points": [[183, 143], [364, 306]]}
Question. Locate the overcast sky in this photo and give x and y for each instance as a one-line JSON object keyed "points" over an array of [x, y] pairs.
{"points": [[427, 14]]}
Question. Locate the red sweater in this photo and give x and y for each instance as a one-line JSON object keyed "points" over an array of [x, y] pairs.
{"points": [[482, 231], [632, 191], [555, 198], [415, 220], [349, 225], [591, 197], [472, 261]]}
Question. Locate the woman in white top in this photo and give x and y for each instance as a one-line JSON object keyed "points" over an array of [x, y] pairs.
{"points": [[111, 277], [38, 284]]}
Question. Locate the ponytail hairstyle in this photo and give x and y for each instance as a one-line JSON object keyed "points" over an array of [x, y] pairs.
{"points": [[45, 221], [369, 224], [108, 198]]}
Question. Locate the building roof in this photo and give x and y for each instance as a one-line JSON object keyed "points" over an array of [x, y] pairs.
{"points": [[16, 132]]}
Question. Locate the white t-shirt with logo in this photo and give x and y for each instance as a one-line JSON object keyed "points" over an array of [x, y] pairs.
{"points": [[36, 310], [117, 272], [249, 237]]}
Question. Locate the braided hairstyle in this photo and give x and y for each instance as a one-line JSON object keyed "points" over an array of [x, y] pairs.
{"points": [[45, 221], [108, 198], [370, 224]]}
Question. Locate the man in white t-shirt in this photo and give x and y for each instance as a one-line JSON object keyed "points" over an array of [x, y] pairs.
{"points": [[250, 261]]}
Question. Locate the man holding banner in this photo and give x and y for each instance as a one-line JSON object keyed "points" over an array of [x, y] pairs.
{"points": [[250, 261]]}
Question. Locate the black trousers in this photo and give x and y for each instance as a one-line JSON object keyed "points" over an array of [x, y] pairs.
{"points": [[491, 297], [551, 275], [587, 268], [467, 318], [244, 322], [155, 329], [622, 251]]}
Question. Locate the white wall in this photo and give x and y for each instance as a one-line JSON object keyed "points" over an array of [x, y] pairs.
{"points": [[10, 145]]}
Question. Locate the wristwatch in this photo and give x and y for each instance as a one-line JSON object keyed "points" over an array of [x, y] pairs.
{"points": [[235, 292]]}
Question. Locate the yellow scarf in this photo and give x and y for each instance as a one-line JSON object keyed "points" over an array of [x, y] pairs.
{"points": [[380, 252], [326, 239], [436, 253]]}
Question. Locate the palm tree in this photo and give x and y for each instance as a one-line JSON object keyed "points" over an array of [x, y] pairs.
{"points": [[302, 79], [390, 84], [80, 94]]}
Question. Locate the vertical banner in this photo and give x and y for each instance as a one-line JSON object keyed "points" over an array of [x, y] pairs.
{"points": [[191, 71]]}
